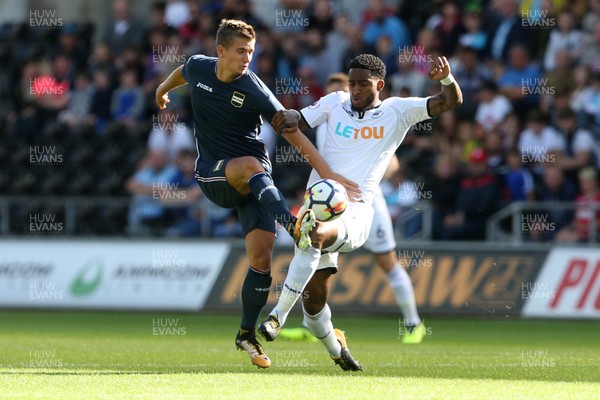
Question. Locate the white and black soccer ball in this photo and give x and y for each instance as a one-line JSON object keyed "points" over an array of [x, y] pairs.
{"points": [[327, 198]]}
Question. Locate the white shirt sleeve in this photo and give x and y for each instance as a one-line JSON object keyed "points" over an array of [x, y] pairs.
{"points": [[551, 49], [319, 111], [410, 110], [556, 140], [157, 140], [583, 141]]}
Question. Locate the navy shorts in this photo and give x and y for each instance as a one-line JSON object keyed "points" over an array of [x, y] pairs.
{"points": [[214, 185]]}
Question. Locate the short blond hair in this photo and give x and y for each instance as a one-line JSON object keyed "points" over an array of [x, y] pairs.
{"points": [[229, 29]]}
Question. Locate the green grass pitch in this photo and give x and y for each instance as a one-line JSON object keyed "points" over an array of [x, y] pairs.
{"points": [[68, 355]]}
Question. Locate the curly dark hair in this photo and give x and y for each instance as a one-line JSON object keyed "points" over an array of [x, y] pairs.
{"points": [[370, 62]]}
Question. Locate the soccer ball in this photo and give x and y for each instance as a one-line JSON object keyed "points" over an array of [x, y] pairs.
{"points": [[327, 198]]}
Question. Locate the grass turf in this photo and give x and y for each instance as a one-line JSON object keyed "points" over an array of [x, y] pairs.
{"points": [[166, 356]]}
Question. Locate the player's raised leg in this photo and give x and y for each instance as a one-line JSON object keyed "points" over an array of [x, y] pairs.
{"points": [[344, 234], [317, 316], [248, 176]]}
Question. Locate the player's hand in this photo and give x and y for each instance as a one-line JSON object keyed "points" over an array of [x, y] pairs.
{"points": [[439, 69], [162, 100], [352, 189], [285, 121]]}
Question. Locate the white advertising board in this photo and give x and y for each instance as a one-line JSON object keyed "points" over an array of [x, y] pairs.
{"points": [[568, 285], [135, 275]]}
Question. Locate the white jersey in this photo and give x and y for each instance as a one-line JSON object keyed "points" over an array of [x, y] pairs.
{"points": [[360, 147]]}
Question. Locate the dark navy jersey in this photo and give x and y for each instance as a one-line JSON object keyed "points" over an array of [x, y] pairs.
{"points": [[228, 115]]}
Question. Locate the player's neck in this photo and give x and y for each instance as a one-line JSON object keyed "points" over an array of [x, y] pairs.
{"points": [[375, 104], [224, 75]]}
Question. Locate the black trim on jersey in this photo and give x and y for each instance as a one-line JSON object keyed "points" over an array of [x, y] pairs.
{"points": [[427, 108], [361, 114]]}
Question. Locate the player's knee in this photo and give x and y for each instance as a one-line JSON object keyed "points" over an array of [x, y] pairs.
{"points": [[386, 261], [313, 303], [250, 166], [261, 262], [317, 235], [323, 235]]}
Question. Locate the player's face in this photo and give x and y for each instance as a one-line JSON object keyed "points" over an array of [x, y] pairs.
{"points": [[364, 89], [236, 57]]}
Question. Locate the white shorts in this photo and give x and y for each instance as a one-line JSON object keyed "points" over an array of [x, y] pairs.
{"points": [[354, 226], [381, 238]]}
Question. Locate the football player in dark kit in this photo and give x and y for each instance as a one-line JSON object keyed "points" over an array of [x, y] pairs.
{"points": [[233, 167]]}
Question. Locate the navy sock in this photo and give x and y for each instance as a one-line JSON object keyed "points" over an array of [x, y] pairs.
{"points": [[271, 199], [255, 292]]}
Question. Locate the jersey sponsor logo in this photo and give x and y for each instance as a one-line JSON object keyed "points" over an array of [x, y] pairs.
{"points": [[237, 99], [203, 86], [218, 165], [366, 132]]}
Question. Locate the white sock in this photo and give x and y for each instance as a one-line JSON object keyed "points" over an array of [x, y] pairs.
{"points": [[405, 295], [303, 266], [321, 326]]}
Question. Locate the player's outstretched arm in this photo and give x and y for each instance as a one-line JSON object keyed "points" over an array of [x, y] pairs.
{"points": [[288, 119], [450, 96], [297, 139], [174, 80]]}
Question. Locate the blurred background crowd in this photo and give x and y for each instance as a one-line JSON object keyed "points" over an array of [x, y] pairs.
{"points": [[529, 128]]}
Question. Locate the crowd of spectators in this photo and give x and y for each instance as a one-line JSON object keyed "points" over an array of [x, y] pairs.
{"points": [[529, 128]]}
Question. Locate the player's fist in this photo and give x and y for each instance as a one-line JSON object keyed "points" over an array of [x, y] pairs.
{"points": [[285, 120], [161, 99], [439, 69]]}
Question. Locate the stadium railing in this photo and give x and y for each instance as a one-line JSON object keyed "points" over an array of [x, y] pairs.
{"points": [[532, 221], [415, 223], [71, 215], [516, 223]]}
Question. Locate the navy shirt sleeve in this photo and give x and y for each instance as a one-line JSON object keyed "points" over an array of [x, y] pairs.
{"points": [[192, 65], [270, 105]]}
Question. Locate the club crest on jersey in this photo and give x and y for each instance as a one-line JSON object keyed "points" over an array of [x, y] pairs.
{"points": [[377, 114], [314, 105], [237, 99], [365, 132]]}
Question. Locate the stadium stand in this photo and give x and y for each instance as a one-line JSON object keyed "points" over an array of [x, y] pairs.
{"points": [[77, 102]]}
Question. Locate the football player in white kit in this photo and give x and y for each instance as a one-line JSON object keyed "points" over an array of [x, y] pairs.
{"points": [[381, 241], [363, 134]]}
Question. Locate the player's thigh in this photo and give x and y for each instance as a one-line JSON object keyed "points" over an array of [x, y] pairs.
{"points": [[381, 238], [213, 182], [240, 169], [353, 228]]}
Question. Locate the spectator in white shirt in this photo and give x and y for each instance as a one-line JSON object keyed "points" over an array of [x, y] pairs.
{"points": [[492, 109], [170, 134], [564, 37], [540, 144]]}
